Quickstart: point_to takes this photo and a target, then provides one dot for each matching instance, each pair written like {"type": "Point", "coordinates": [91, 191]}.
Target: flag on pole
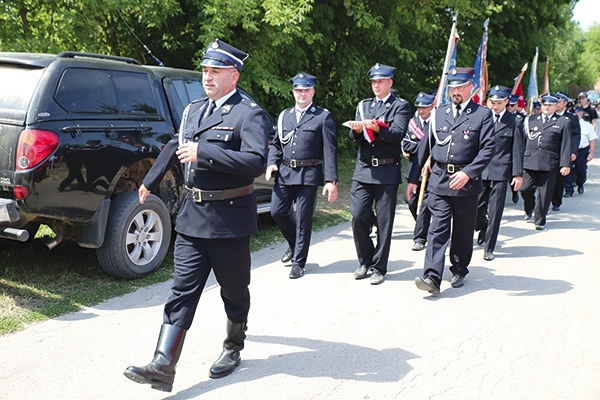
{"type": "Point", "coordinates": [518, 88]}
{"type": "Point", "coordinates": [546, 79]}
{"type": "Point", "coordinates": [532, 89]}
{"type": "Point", "coordinates": [441, 97]}
{"type": "Point", "coordinates": [480, 79]}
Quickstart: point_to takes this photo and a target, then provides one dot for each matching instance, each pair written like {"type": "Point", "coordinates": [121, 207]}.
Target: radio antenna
{"type": "Point", "coordinates": [160, 63]}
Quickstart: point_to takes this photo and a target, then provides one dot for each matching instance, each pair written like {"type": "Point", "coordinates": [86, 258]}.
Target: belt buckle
{"type": "Point", "coordinates": [197, 195]}
{"type": "Point", "coordinates": [374, 161]}
{"type": "Point", "coordinates": [293, 163]}
{"type": "Point", "coordinates": [450, 168]}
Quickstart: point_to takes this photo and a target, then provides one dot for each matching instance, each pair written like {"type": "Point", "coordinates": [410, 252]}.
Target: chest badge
{"type": "Point", "coordinates": [466, 134]}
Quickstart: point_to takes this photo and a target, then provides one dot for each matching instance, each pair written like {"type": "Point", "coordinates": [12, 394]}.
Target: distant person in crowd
{"type": "Point", "coordinates": [305, 138]}
{"type": "Point", "coordinates": [589, 112]}
{"type": "Point", "coordinates": [585, 153]}
{"type": "Point", "coordinates": [547, 150]}
{"type": "Point", "coordinates": [507, 164]}
{"type": "Point", "coordinates": [513, 104]}
{"type": "Point", "coordinates": [559, 186]}
{"type": "Point", "coordinates": [417, 129]}
{"type": "Point", "coordinates": [537, 107]}
{"type": "Point", "coordinates": [222, 145]}
{"type": "Point", "coordinates": [459, 146]}
{"type": "Point", "coordinates": [378, 128]}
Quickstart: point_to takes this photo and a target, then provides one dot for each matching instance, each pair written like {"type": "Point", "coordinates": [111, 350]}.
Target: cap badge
{"type": "Point", "coordinates": [215, 45]}
{"type": "Point", "coordinates": [454, 71]}
{"type": "Point", "coordinates": [301, 75]}
{"type": "Point", "coordinates": [377, 66]}
{"type": "Point", "coordinates": [497, 87]}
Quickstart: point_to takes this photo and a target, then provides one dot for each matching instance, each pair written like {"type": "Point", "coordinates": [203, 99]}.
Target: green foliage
{"type": "Point", "coordinates": [336, 40]}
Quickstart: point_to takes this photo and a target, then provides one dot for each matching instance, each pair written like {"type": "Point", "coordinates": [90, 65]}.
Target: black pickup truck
{"type": "Point", "coordinates": [78, 132]}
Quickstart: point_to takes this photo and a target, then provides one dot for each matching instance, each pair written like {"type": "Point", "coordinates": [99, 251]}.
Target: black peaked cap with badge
{"type": "Point", "coordinates": [223, 55]}
{"type": "Point", "coordinates": [499, 93]}
{"type": "Point", "coordinates": [424, 100]}
{"type": "Point", "coordinates": [302, 80]}
{"type": "Point", "coordinates": [460, 76]}
{"type": "Point", "coordinates": [381, 71]}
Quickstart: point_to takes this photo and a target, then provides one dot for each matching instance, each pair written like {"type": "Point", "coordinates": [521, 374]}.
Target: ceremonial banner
{"type": "Point", "coordinates": [480, 79]}
{"type": "Point", "coordinates": [546, 78]}
{"type": "Point", "coordinates": [532, 89]}
{"type": "Point", "coordinates": [441, 97]}
{"type": "Point", "coordinates": [518, 89]}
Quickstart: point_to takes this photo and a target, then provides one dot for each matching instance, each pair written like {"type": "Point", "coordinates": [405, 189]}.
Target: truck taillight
{"type": "Point", "coordinates": [21, 192]}
{"type": "Point", "coordinates": [34, 147]}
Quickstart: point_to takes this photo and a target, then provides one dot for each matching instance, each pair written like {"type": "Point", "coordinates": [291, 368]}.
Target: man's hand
{"type": "Point", "coordinates": [426, 170]}
{"type": "Point", "coordinates": [411, 190]}
{"type": "Point", "coordinates": [516, 182]}
{"type": "Point", "coordinates": [356, 126]}
{"type": "Point", "coordinates": [331, 190]}
{"type": "Point", "coordinates": [143, 193]}
{"type": "Point", "coordinates": [564, 171]}
{"type": "Point", "coordinates": [187, 152]}
{"type": "Point", "coordinates": [458, 180]}
{"type": "Point", "coordinates": [269, 172]}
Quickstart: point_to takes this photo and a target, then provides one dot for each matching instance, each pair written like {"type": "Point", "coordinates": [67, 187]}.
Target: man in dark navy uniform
{"type": "Point", "coordinates": [417, 129]}
{"type": "Point", "coordinates": [222, 144]}
{"type": "Point", "coordinates": [506, 165]}
{"type": "Point", "coordinates": [378, 128]}
{"type": "Point", "coordinates": [547, 150]}
{"type": "Point", "coordinates": [559, 186]}
{"type": "Point", "coordinates": [459, 146]}
{"type": "Point", "coordinates": [305, 136]}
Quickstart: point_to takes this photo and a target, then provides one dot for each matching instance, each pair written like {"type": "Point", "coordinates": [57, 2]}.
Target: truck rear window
{"type": "Point", "coordinates": [17, 85]}
{"type": "Point", "coordinates": [83, 90]}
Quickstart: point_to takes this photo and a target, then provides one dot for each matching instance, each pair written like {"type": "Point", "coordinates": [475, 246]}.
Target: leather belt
{"type": "Point", "coordinates": [293, 163]}
{"type": "Point", "coordinates": [450, 168]}
{"type": "Point", "coordinates": [376, 162]}
{"type": "Point", "coordinates": [199, 195]}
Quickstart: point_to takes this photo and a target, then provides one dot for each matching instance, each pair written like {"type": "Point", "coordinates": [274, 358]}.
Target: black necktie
{"type": "Point", "coordinates": [457, 112]}
{"type": "Point", "coordinates": [208, 112]}
{"type": "Point", "coordinates": [497, 119]}
{"type": "Point", "coordinates": [544, 120]}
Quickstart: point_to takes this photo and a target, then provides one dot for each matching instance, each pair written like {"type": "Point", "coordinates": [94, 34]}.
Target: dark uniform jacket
{"type": "Point", "coordinates": [468, 144]}
{"type": "Point", "coordinates": [395, 112]}
{"type": "Point", "coordinates": [508, 159]}
{"type": "Point", "coordinates": [575, 129]}
{"type": "Point", "coordinates": [548, 147]}
{"type": "Point", "coordinates": [313, 138]}
{"type": "Point", "coordinates": [232, 151]}
{"type": "Point", "coordinates": [411, 142]}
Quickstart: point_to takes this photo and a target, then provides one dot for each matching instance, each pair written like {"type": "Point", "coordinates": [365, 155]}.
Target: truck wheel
{"type": "Point", "coordinates": [137, 236]}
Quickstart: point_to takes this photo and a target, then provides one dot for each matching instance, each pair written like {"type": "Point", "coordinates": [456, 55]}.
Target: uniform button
{"type": "Point", "coordinates": [218, 136]}
{"type": "Point", "coordinates": [451, 144]}
{"type": "Point", "coordinates": [230, 201]}
{"type": "Point", "coordinates": [210, 161]}
{"type": "Point", "coordinates": [293, 152]}
{"type": "Point", "coordinates": [293, 144]}
{"type": "Point", "coordinates": [451, 155]}
{"type": "Point", "coordinates": [295, 135]}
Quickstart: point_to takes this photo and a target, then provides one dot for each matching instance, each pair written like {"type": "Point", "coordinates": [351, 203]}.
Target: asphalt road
{"type": "Point", "coordinates": [525, 326]}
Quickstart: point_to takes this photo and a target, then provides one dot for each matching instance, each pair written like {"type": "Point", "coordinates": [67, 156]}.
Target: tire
{"type": "Point", "coordinates": [127, 254]}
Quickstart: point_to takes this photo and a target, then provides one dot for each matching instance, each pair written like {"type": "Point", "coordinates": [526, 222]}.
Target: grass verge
{"type": "Point", "coordinates": [37, 284]}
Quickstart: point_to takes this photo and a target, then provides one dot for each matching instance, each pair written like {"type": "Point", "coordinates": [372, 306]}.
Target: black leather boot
{"type": "Point", "coordinates": [230, 357]}
{"type": "Point", "coordinates": [160, 373]}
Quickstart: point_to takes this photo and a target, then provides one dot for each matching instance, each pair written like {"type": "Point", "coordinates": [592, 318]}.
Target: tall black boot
{"type": "Point", "coordinates": [230, 357]}
{"type": "Point", "coordinates": [160, 373]}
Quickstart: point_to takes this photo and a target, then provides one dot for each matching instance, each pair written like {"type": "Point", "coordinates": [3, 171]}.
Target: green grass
{"type": "Point", "coordinates": [37, 284]}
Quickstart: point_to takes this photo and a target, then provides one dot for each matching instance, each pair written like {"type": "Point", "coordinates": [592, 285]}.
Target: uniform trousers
{"type": "Point", "coordinates": [371, 255]}
{"type": "Point", "coordinates": [422, 218]}
{"type": "Point", "coordinates": [229, 259]}
{"type": "Point", "coordinates": [559, 187]}
{"type": "Point", "coordinates": [543, 182]}
{"type": "Point", "coordinates": [489, 211]}
{"type": "Point", "coordinates": [297, 232]}
{"type": "Point", "coordinates": [452, 218]}
{"type": "Point", "coordinates": [578, 173]}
